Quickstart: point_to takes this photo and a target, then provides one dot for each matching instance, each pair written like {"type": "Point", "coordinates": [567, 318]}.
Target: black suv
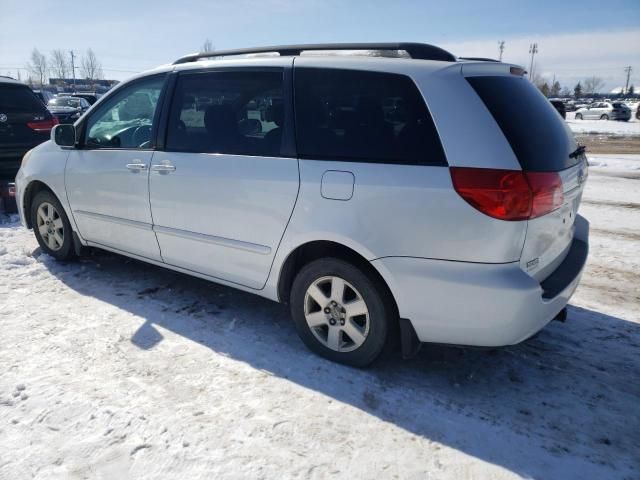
{"type": "Point", "coordinates": [24, 123]}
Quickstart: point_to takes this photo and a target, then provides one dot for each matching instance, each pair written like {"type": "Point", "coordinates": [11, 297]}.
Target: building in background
{"type": "Point", "coordinates": [60, 85]}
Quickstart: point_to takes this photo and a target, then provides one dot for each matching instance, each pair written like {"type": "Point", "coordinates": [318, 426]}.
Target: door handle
{"type": "Point", "coordinates": [164, 167]}
{"type": "Point", "coordinates": [136, 167]}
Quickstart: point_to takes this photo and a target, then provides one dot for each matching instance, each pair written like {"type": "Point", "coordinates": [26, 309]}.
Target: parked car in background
{"type": "Point", "coordinates": [44, 95]}
{"type": "Point", "coordinates": [90, 97]}
{"type": "Point", "coordinates": [67, 109]}
{"type": "Point", "coordinates": [570, 106]}
{"type": "Point", "coordinates": [604, 111]}
{"type": "Point", "coordinates": [559, 106]}
{"type": "Point", "coordinates": [371, 225]}
{"type": "Point", "coordinates": [24, 123]}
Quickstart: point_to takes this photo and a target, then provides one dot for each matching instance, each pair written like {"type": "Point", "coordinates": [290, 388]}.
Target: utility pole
{"type": "Point", "coordinates": [73, 69]}
{"type": "Point", "coordinates": [533, 49]}
{"type": "Point", "coordinates": [628, 70]}
{"type": "Point", "coordinates": [501, 48]}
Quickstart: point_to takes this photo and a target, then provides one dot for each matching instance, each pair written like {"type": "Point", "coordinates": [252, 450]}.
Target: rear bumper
{"type": "Point", "coordinates": [7, 197]}
{"type": "Point", "coordinates": [477, 304]}
{"type": "Point", "coordinates": [621, 116]}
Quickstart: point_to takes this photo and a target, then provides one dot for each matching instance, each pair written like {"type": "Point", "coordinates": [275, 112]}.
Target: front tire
{"type": "Point", "coordinates": [578, 116]}
{"type": "Point", "coordinates": [51, 226]}
{"type": "Point", "coordinates": [604, 117]}
{"type": "Point", "coordinates": [340, 312]}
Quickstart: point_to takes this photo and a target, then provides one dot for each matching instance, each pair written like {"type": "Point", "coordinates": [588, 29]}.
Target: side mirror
{"type": "Point", "coordinates": [64, 135]}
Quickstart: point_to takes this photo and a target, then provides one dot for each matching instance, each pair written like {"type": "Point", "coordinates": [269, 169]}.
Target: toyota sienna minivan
{"type": "Point", "coordinates": [397, 196]}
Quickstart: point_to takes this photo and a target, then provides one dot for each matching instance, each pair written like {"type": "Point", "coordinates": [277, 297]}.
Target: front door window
{"type": "Point", "coordinates": [126, 119]}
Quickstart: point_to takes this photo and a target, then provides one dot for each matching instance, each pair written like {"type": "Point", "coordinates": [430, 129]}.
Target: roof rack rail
{"type": "Point", "coordinates": [481, 59]}
{"type": "Point", "coordinates": [420, 51]}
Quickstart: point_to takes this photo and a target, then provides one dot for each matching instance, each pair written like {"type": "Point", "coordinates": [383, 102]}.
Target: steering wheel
{"type": "Point", "coordinates": [142, 135]}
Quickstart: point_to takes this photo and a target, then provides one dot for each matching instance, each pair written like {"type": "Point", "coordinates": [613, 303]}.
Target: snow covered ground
{"type": "Point", "coordinates": [112, 369]}
{"type": "Point", "coordinates": [603, 127]}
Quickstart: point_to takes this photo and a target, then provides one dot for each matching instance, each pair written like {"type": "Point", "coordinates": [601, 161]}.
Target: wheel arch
{"type": "Point", "coordinates": [30, 192]}
{"type": "Point", "coordinates": [313, 250]}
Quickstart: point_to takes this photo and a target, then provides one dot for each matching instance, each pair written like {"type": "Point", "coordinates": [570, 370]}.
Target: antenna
{"type": "Point", "coordinates": [501, 48]}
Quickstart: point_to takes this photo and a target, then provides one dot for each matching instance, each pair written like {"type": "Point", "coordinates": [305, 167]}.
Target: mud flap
{"type": "Point", "coordinates": [77, 245]}
{"type": "Point", "coordinates": [561, 316]}
{"type": "Point", "coordinates": [409, 343]}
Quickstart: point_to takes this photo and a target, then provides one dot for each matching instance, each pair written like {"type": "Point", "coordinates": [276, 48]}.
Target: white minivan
{"type": "Point", "coordinates": [401, 195]}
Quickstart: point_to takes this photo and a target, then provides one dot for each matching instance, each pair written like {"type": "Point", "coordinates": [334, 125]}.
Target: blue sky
{"type": "Point", "coordinates": [576, 39]}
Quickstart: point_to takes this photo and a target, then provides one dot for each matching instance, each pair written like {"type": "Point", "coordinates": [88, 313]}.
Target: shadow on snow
{"type": "Point", "coordinates": [564, 391]}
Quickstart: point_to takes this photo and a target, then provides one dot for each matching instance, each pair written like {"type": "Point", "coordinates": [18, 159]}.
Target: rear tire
{"type": "Point", "coordinates": [340, 312]}
{"type": "Point", "coordinates": [51, 226]}
{"type": "Point", "coordinates": [578, 116]}
{"type": "Point", "coordinates": [604, 117]}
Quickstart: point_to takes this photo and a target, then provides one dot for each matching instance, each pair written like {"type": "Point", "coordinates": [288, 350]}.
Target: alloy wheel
{"type": "Point", "coordinates": [50, 226]}
{"type": "Point", "coordinates": [336, 314]}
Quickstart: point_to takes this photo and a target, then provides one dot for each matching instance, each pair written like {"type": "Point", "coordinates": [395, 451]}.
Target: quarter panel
{"type": "Point", "coordinates": [399, 210]}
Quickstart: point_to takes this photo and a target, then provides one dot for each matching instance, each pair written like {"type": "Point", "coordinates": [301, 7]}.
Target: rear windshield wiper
{"type": "Point", "coordinates": [578, 151]}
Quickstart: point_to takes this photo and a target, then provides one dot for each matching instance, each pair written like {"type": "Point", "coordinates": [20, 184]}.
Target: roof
{"type": "Point", "coordinates": [4, 79]}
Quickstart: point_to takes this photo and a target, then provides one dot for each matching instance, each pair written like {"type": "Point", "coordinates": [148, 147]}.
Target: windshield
{"type": "Point", "coordinates": [65, 102]}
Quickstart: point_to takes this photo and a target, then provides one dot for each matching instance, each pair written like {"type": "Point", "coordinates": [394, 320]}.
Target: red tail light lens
{"type": "Point", "coordinates": [508, 194]}
{"type": "Point", "coordinates": [547, 192]}
{"type": "Point", "coordinates": [43, 125]}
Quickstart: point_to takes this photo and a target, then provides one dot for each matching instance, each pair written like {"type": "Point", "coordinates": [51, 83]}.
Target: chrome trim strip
{"type": "Point", "coordinates": [224, 242]}
{"type": "Point", "coordinates": [119, 221]}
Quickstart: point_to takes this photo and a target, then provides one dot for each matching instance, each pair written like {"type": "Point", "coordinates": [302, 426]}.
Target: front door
{"type": "Point", "coordinates": [222, 191]}
{"type": "Point", "coordinates": [107, 176]}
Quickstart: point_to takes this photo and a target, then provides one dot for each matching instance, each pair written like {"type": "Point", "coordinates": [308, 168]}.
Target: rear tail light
{"type": "Point", "coordinates": [43, 125]}
{"type": "Point", "coordinates": [546, 188]}
{"type": "Point", "coordinates": [508, 194]}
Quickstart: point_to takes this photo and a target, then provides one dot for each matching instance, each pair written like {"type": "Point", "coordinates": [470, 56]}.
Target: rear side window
{"type": "Point", "coordinates": [363, 116]}
{"type": "Point", "coordinates": [18, 98]}
{"type": "Point", "coordinates": [234, 112]}
{"type": "Point", "coordinates": [537, 134]}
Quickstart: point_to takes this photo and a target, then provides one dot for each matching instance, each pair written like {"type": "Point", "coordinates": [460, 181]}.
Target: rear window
{"type": "Point", "coordinates": [537, 134]}
{"type": "Point", "coordinates": [363, 116]}
{"type": "Point", "coordinates": [19, 98]}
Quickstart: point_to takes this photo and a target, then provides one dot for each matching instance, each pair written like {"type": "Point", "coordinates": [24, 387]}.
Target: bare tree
{"type": "Point", "coordinates": [59, 63]}
{"type": "Point", "coordinates": [207, 46]}
{"type": "Point", "coordinates": [38, 66]}
{"type": "Point", "coordinates": [91, 67]}
{"type": "Point", "coordinates": [592, 85]}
